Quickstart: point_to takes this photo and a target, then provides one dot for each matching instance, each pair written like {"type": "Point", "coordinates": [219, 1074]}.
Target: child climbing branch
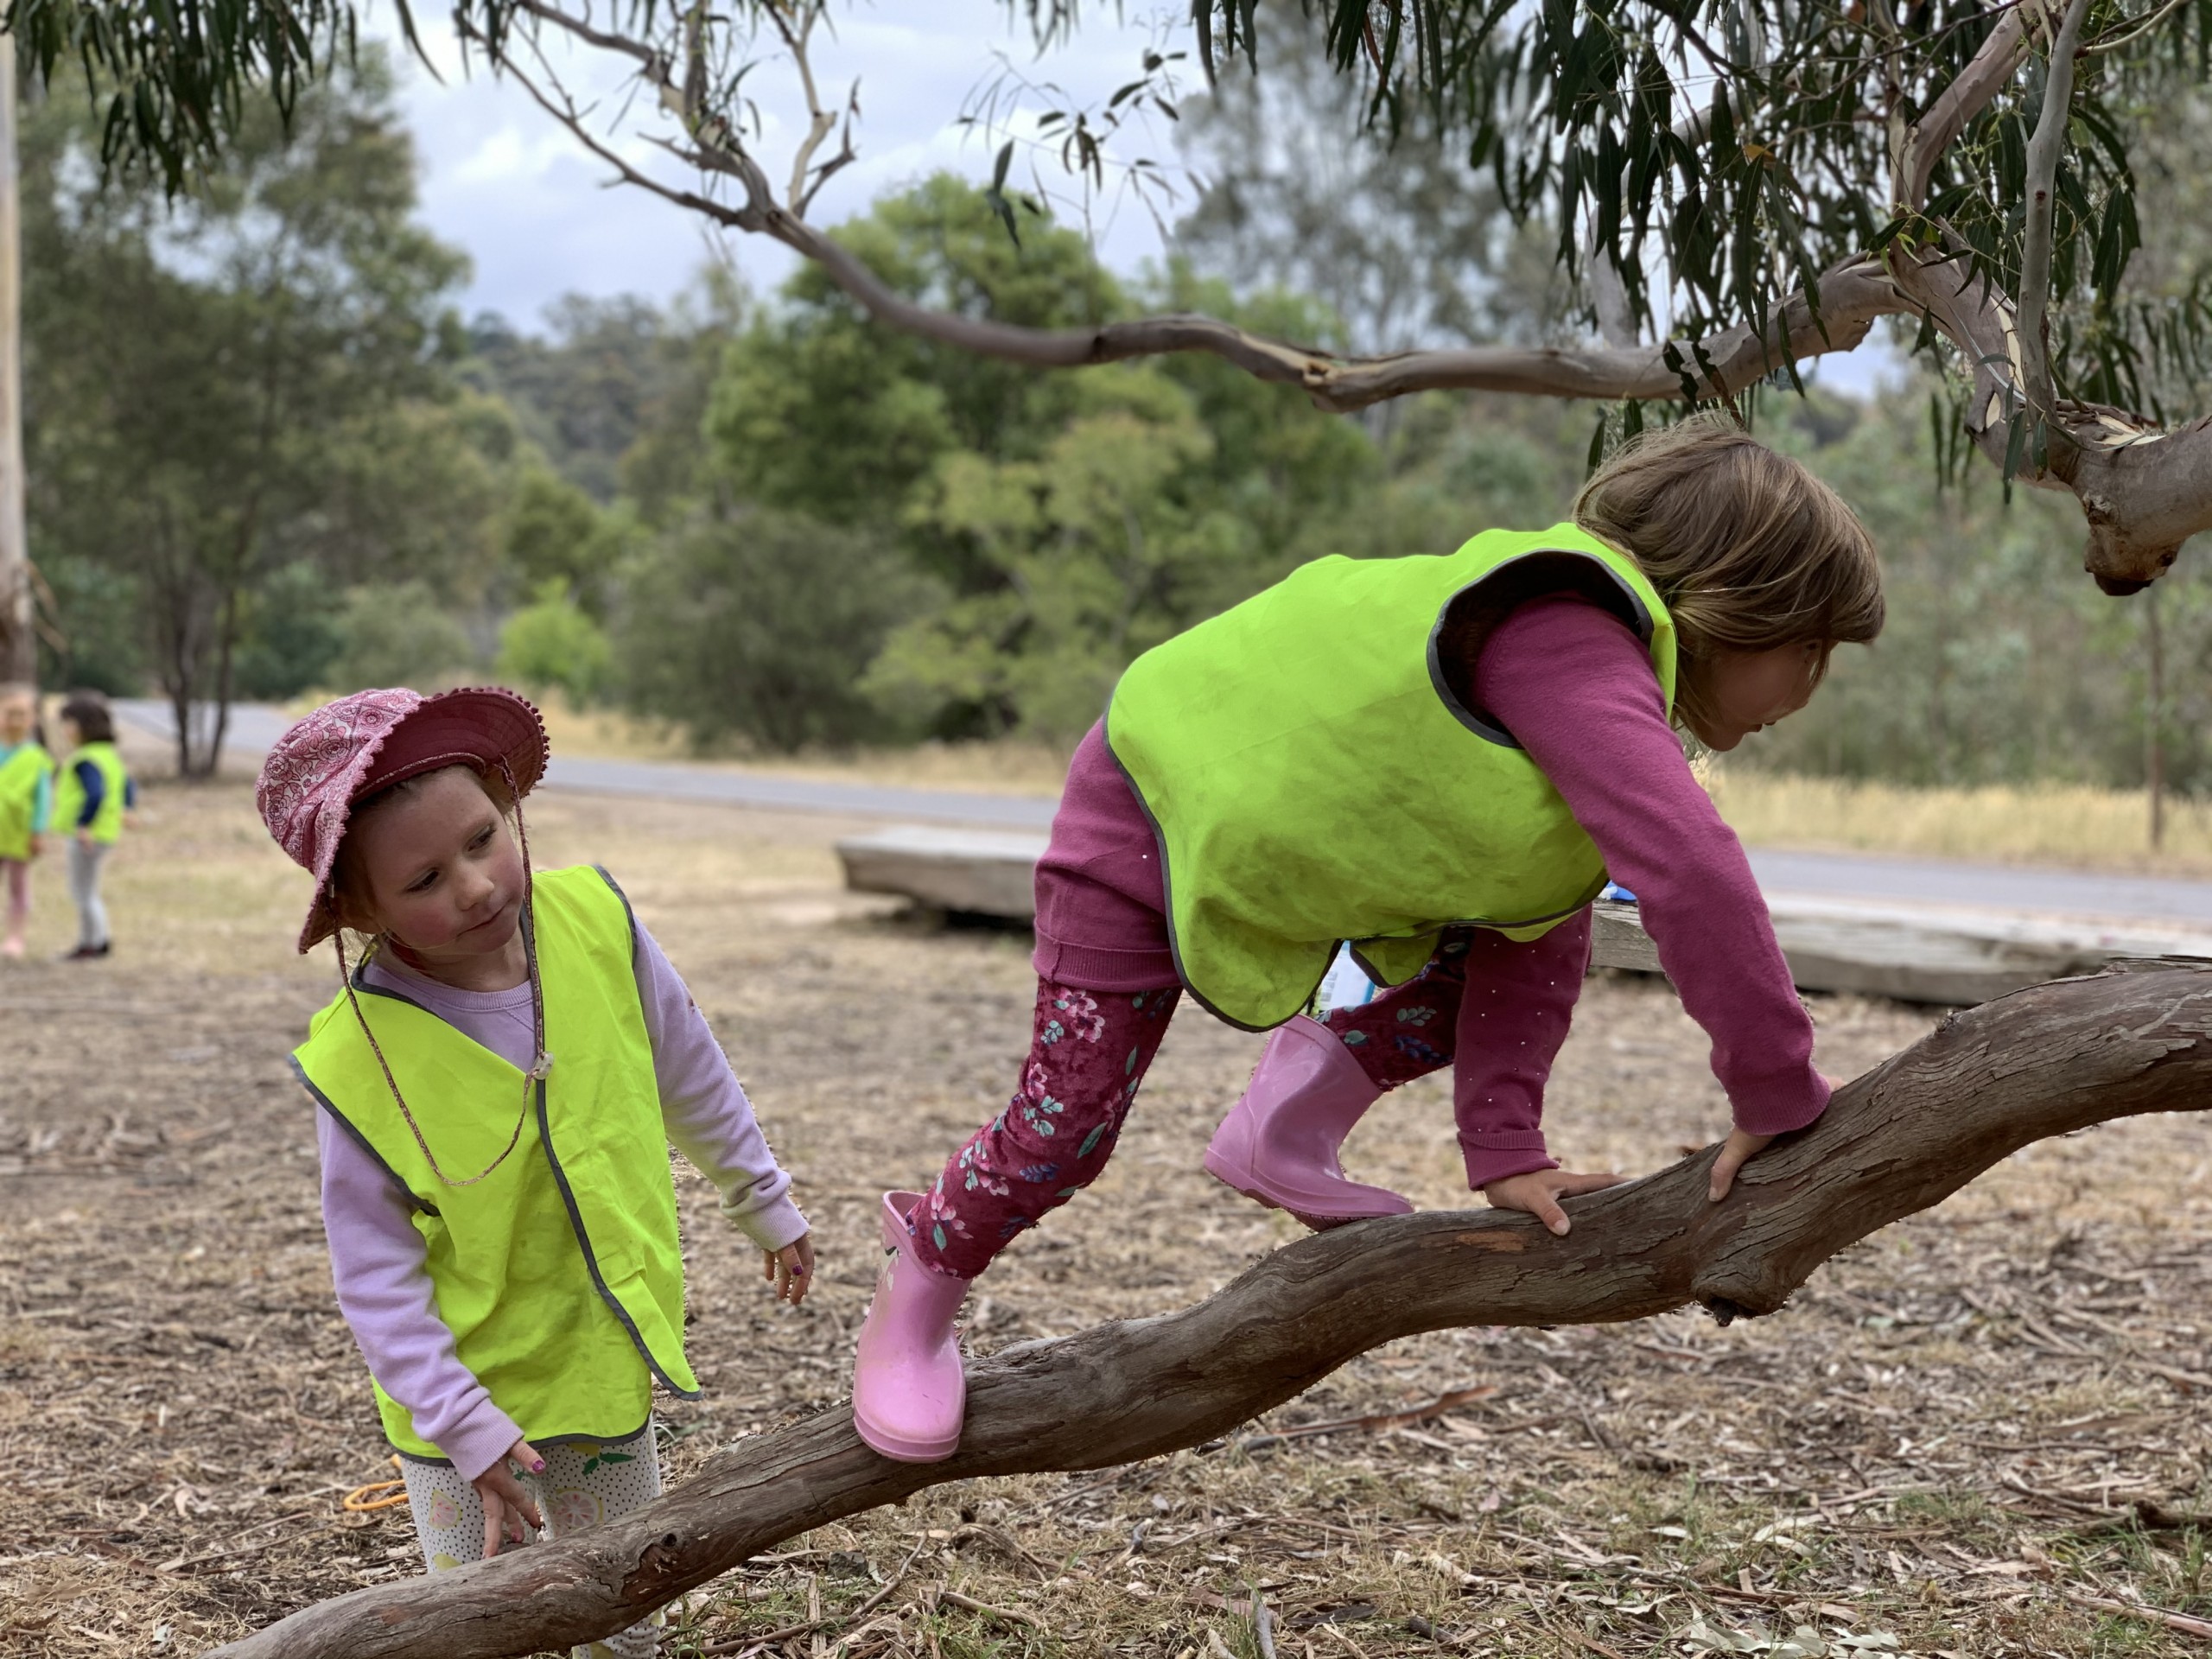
{"type": "Point", "coordinates": [1438, 758]}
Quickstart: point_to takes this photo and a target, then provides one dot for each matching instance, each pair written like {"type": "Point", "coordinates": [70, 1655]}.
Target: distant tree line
{"type": "Point", "coordinates": [268, 458]}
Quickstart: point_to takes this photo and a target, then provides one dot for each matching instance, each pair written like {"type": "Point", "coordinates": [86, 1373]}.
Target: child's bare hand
{"type": "Point", "coordinates": [1740, 1149]}
{"type": "Point", "coordinates": [1539, 1192]}
{"type": "Point", "coordinates": [1736, 1151]}
{"type": "Point", "coordinates": [506, 1505]}
{"type": "Point", "coordinates": [790, 1269]}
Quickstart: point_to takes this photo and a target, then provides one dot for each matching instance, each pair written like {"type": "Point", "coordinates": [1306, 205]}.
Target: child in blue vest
{"type": "Point", "coordinates": [1438, 760]}
{"type": "Point", "coordinates": [498, 1083]}
{"type": "Point", "coordinates": [26, 806]}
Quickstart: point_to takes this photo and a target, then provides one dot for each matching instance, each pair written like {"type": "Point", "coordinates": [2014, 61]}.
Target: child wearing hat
{"type": "Point", "coordinates": [499, 1082]}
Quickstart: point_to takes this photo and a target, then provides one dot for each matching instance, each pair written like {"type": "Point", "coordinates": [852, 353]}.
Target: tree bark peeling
{"type": "Point", "coordinates": [2043, 1062]}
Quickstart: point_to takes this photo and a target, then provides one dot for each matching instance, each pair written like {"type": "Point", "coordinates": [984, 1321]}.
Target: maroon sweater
{"type": "Point", "coordinates": [1575, 687]}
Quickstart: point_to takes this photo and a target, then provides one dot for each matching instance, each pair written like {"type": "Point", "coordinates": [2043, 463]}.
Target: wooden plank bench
{"type": "Point", "coordinates": [1924, 955]}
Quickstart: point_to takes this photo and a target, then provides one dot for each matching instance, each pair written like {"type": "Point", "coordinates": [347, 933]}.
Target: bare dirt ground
{"type": "Point", "coordinates": [1982, 1432]}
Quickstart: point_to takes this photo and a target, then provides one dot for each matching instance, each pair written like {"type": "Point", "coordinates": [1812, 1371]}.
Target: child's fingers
{"type": "Point", "coordinates": [1739, 1150]}
{"type": "Point", "coordinates": [1570, 1183]}
{"type": "Point", "coordinates": [1546, 1209]}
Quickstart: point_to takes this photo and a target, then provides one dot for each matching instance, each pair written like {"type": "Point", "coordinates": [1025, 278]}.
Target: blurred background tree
{"type": "Point", "coordinates": [777, 526]}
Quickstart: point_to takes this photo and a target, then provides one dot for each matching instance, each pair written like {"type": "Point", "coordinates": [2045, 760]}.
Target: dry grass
{"type": "Point", "coordinates": [1943, 1440]}
{"type": "Point", "coordinates": [2050, 823]}
{"type": "Point", "coordinates": [2060, 824]}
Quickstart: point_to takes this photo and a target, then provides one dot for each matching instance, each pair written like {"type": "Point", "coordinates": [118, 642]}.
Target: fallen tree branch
{"type": "Point", "coordinates": [2042, 1062]}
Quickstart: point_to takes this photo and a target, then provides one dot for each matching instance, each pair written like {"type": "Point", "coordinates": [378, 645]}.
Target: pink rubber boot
{"type": "Point", "coordinates": [1280, 1143]}
{"type": "Point", "coordinates": [908, 1388]}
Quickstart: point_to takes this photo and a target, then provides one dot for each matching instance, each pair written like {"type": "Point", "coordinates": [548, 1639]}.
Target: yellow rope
{"type": "Point", "coordinates": [378, 1494]}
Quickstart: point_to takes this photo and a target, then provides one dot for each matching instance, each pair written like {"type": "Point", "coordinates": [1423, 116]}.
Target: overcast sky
{"type": "Point", "coordinates": [502, 179]}
{"type": "Point", "coordinates": [538, 218]}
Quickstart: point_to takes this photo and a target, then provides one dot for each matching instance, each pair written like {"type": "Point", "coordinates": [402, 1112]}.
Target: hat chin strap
{"type": "Point", "coordinates": [541, 1062]}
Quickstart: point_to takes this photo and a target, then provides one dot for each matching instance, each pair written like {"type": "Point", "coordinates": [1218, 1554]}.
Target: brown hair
{"type": "Point", "coordinates": [88, 712]}
{"type": "Point", "coordinates": [349, 887]}
{"type": "Point", "coordinates": [1747, 549]}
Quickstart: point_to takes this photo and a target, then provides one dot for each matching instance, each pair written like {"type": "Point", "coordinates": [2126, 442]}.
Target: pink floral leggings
{"type": "Point", "coordinates": [1088, 1052]}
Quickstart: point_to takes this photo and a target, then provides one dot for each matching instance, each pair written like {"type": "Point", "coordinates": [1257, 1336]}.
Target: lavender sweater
{"type": "Point", "coordinates": [377, 1257]}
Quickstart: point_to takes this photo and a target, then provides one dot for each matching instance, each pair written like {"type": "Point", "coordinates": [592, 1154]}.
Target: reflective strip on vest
{"type": "Point", "coordinates": [19, 779]}
{"type": "Point", "coordinates": [69, 794]}
{"type": "Point", "coordinates": [1312, 778]}
{"type": "Point", "coordinates": [560, 1275]}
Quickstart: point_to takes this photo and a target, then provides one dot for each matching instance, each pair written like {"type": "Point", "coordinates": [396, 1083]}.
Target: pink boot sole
{"type": "Point", "coordinates": [909, 1391]}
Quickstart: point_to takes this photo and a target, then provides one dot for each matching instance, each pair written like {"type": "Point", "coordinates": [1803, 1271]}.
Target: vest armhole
{"type": "Point", "coordinates": [1467, 620]}
{"type": "Point", "coordinates": [628, 914]}
{"type": "Point", "coordinates": [414, 1201]}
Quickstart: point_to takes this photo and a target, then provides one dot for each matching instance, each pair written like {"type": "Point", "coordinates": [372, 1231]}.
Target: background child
{"type": "Point", "coordinates": [93, 794]}
{"type": "Point", "coordinates": [25, 806]}
{"type": "Point", "coordinates": [1440, 760]}
{"type": "Point", "coordinates": [499, 1083]}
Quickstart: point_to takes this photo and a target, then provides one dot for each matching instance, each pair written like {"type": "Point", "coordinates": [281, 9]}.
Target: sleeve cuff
{"type": "Point", "coordinates": [772, 1225]}
{"type": "Point", "coordinates": [481, 1440]}
{"type": "Point", "coordinates": [1785, 1105]}
{"type": "Point", "coordinates": [1493, 1157]}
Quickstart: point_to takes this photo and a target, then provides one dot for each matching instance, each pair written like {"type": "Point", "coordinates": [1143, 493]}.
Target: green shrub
{"type": "Point", "coordinates": [552, 646]}
{"type": "Point", "coordinates": [759, 624]}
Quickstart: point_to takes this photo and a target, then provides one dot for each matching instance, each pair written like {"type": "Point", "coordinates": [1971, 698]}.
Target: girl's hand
{"type": "Point", "coordinates": [1739, 1150]}
{"type": "Point", "coordinates": [790, 1269]}
{"type": "Point", "coordinates": [506, 1506]}
{"type": "Point", "coordinates": [1539, 1192]}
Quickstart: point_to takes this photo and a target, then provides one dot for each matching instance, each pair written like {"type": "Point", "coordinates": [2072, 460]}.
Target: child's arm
{"type": "Point", "coordinates": [1576, 688]}
{"type": "Point", "coordinates": [383, 1278]}
{"type": "Point", "coordinates": [94, 786]}
{"type": "Point", "coordinates": [1516, 1005]}
{"type": "Point", "coordinates": [710, 1121]}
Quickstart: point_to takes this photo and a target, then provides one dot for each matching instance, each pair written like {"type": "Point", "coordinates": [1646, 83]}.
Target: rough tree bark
{"type": "Point", "coordinates": [2050, 1059]}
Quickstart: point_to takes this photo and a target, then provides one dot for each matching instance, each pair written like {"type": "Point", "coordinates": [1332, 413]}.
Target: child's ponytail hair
{"type": "Point", "coordinates": [1748, 550]}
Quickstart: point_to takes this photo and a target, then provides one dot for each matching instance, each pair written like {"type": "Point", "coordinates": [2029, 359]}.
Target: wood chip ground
{"type": "Point", "coordinates": [1983, 1433]}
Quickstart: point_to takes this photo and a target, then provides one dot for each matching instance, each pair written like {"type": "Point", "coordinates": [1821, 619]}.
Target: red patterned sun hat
{"type": "Point", "coordinates": [371, 741]}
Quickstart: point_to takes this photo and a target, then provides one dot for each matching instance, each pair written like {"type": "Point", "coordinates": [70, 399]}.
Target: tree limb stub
{"type": "Point", "coordinates": [2042, 1062]}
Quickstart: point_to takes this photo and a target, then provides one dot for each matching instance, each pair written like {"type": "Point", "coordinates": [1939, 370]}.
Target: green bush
{"type": "Point", "coordinates": [400, 635]}
{"type": "Point", "coordinates": [759, 624]}
{"type": "Point", "coordinates": [552, 646]}
{"type": "Point", "coordinates": [292, 637]}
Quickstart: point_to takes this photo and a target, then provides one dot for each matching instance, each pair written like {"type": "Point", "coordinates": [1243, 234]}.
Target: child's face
{"type": "Point", "coordinates": [72, 738]}
{"type": "Point", "coordinates": [443, 873]}
{"type": "Point", "coordinates": [1749, 690]}
{"type": "Point", "coordinates": [17, 716]}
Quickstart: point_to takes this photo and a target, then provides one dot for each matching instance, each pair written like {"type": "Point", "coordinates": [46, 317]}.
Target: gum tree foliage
{"type": "Point", "coordinates": [256, 362]}
{"type": "Point", "coordinates": [1735, 185]}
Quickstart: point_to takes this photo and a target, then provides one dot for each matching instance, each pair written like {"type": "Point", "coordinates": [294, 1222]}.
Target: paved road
{"type": "Point", "coordinates": [1829, 875]}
